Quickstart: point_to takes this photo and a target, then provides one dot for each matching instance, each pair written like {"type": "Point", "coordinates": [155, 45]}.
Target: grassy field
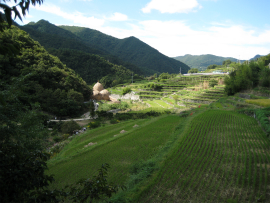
{"type": "Point", "coordinates": [159, 104]}
{"type": "Point", "coordinates": [204, 152]}
{"type": "Point", "coordinates": [223, 157]}
{"type": "Point", "coordinates": [121, 151]}
{"type": "Point", "coordinates": [259, 102]}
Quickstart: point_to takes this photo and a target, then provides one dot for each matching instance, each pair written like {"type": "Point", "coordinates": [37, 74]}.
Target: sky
{"type": "Point", "coordinates": [228, 28]}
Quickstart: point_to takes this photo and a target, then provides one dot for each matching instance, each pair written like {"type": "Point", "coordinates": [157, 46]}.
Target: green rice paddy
{"type": "Point", "coordinates": [259, 102]}
{"type": "Point", "coordinates": [121, 151]}
{"type": "Point", "coordinates": [223, 157]}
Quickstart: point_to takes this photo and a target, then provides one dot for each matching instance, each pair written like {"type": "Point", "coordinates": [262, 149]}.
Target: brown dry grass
{"type": "Point", "coordinates": [205, 84]}
{"type": "Point", "coordinates": [221, 81]}
{"type": "Point", "coordinates": [83, 123]}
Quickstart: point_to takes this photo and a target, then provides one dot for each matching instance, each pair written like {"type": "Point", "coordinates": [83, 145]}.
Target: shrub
{"type": "Point", "coordinates": [103, 115]}
{"type": "Point", "coordinates": [126, 90]}
{"type": "Point", "coordinates": [114, 121]}
{"type": "Point", "coordinates": [69, 126]}
{"type": "Point", "coordinates": [213, 83]}
{"type": "Point", "coordinates": [94, 124]}
{"type": "Point", "coordinates": [57, 138]}
{"type": "Point", "coordinates": [175, 97]}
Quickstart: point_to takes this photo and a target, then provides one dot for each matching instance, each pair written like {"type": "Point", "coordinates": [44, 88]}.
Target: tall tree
{"type": "Point", "coordinates": [23, 5]}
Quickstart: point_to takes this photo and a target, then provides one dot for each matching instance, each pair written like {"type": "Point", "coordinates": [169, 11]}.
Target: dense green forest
{"type": "Point", "coordinates": [131, 50]}
{"type": "Point", "coordinates": [249, 75]}
{"type": "Point", "coordinates": [201, 62]}
{"type": "Point", "coordinates": [46, 80]}
{"type": "Point", "coordinates": [93, 67]}
{"type": "Point", "coordinates": [54, 38]}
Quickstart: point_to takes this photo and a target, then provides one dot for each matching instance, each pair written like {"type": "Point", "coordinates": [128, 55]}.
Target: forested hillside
{"type": "Point", "coordinates": [255, 74]}
{"type": "Point", "coordinates": [131, 50]}
{"type": "Point", "coordinates": [107, 73]}
{"type": "Point", "coordinates": [203, 61]}
{"type": "Point", "coordinates": [58, 41]}
{"type": "Point", "coordinates": [46, 80]}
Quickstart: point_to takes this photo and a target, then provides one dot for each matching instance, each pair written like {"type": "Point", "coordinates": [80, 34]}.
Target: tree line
{"type": "Point", "coordinates": [249, 75]}
{"type": "Point", "coordinates": [58, 89]}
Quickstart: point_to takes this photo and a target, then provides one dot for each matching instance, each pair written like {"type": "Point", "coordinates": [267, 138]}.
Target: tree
{"type": "Point", "coordinates": [23, 133]}
{"type": "Point", "coordinates": [213, 83]}
{"type": "Point", "coordinates": [95, 188]}
{"type": "Point", "coordinates": [227, 62]}
{"type": "Point", "coordinates": [23, 6]}
{"type": "Point", "coordinates": [164, 76]}
{"type": "Point", "coordinates": [175, 97]}
{"type": "Point", "coordinates": [23, 140]}
{"type": "Point", "coordinates": [126, 90]}
{"type": "Point", "coordinates": [92, 108]}
{"type": "Point", "coordinates": [58, 89]}
{"type": "Point", "coordinates": [22, 162]}
{"type": "Point", "coordinates": [212, 66]}
{"type": "Point", "coordinates": [193, 70]}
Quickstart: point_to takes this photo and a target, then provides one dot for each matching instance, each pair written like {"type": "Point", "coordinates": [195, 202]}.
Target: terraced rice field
{"type": "Point", "coordinates": [259, 102]}
{"type": "Point", "coordinates": [223, 157]}
{"type": "Point", "coordinates": [121, 151]}
{"type": "Point", "coordinates": [158, 104]}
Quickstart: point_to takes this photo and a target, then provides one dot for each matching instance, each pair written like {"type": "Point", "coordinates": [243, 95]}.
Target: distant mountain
{"type": "Point", "coordinates": [51, 36]}
{"type": "Point", "coordinates": [255, 57]}
{"type": "Point", "coordinates": [202, 61]}
{"type": "Point", "coordinates": [43, 77]}
{"type": "Point", "coordinates": [91, 63]}
{"type": "Point", "coordinates": [129, 49]}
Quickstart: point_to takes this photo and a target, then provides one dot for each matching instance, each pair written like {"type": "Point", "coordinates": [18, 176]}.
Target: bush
{"type": "Point", "coordinates": [57, 138]}
{"type": "Point", "coordinates": [56, 126]}
{"type": "Point", "coordinates": [213, 83]}
{"type": "Point", "coordinates": [69, 126]}
{"type": "Point", "coordinates": [114, 121]}
{"type": "Point", "coordinates": [103, 115]}
{"type": "Point", "coordinates": [94, 124]}
{"type": "Point", "coordinates": [126, 90]}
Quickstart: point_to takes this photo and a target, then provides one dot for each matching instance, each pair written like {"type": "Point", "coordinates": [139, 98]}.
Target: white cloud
{"type": "Point", "coordinates": [171, 6]}
{"type": "Point", "coordinates": [175, 38]}
{"type": "Point", "coordinates": [76, 16]}
{"type": "Point", "coordinates": [118, 17]}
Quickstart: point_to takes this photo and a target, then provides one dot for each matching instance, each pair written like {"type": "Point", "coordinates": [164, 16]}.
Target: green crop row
{"type": "Point", "coordinates": [162, 103]}
{"type": "Point", "coordinates": [154, 104]}
{"type": "Point", "coordinates": [260, 102]}
{"type": "Point", "coordinates": [149, 96]}
{"type": "Point", "coordinates": [222, 157]}
{"type": "Point", "coordinates": [151, 93]}
{"type": "Point", "coordinates": [120, 151]}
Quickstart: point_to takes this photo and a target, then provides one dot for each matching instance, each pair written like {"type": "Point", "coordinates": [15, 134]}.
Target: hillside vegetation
{"type": "Point", "coordinates": [131, 50]}
{"type": "Point", "coordinates": [221, 157]}
{"type": "Point", "coordinates": [207, 154]}
{"type": "Point", "coordinates": [196, 138]}
{"type": "Point", "coordinates": [45, 79]}
{"type": "Point", "coordinates": [246, 76]}
{"type": "Point", "coordinates": [201, 62]}
{"type": "Point", "coordinates": [73, 51]}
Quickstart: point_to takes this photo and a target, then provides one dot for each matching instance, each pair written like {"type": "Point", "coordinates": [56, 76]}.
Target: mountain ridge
{"type": "Point", "coordinates": [130, 49]}
{"type": "Point", "coordinates": [203, 61]}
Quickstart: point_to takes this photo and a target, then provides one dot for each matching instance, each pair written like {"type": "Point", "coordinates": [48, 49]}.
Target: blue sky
{"type": "Point", "coordinates": [229, 28]}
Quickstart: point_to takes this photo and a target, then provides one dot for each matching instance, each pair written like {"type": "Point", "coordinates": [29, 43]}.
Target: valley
{"type": "Point", "coordinates": [166, 136]}
{"type": "Point", "coordinates": [202, 147]}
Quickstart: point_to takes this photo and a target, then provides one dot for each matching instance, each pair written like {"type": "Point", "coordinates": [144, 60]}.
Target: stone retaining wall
{"type": "Point", "coordinates": [129, 96]}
